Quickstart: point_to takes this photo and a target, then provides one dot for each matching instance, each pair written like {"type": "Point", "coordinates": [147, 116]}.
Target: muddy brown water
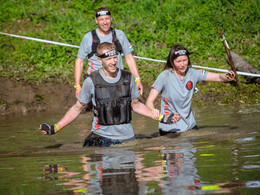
{"type": "Point", "coordinates": [222, 157]}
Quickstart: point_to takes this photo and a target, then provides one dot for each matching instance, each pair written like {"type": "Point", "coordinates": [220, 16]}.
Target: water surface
{"type": "Point", "coordinates": [222, 157]}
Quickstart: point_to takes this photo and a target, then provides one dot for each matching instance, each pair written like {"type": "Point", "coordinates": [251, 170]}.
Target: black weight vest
{"type": "Point", "coordinates": [96, 42]}
{"type": "Point", "coordinates": [113, 100]}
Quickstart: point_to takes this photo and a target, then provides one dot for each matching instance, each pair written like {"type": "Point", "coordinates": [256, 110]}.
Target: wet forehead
{"type": "Point", "coordinates": [105, 17]}
{"type": "Point", "coordinates": [184, 57]}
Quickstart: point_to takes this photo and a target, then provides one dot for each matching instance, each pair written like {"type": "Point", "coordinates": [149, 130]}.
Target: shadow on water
{"type": "Point", "coordinates": [221, 157]}
{"type": "Point", "coordinates": [55, 146]}
{"type": "Point", "coordinates": [219, 126]}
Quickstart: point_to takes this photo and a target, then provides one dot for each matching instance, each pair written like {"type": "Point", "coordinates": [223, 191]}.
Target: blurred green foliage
{"type": "Point", "coordinates": [152, 27]}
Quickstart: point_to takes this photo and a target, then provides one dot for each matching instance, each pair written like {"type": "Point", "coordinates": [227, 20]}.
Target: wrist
{"type": "Point", "coordinates": [75, 86]}
{"type": "Point", "coordinates": [137, 79]}
{"type": "Point", "coordinates": [160, 118]}
{"type": "Point", "coordinates": [57, 129]}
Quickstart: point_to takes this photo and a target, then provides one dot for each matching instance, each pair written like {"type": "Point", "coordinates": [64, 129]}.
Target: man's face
{"type": "Point", "coordinates": [104, 22]}
{"type": "Point", "coordinates": [109, 63]}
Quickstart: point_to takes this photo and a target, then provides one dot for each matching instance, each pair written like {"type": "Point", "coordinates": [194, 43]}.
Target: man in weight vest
{"type": "Point", "coordinates": [88, 47]}
{"type": "Point", "coordinates": [114, 94]}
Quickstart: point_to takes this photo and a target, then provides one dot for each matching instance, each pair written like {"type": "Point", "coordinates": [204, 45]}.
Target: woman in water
{"type": "Point", "coordinates": [176, 85]}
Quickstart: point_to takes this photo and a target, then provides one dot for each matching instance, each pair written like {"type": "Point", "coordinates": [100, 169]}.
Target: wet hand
{"type": "Point", "coordinates": [176, 117]}
{"type": "Point", "coordinates": [139, 87]}
{"type": "Point", "coordinates": [156, 114]}
{"type": "Point", "coordinates": [47, 129]}
{"type": "Point", "coordinates": [230, 76]}
{"type": "Point", "coordinates": [170, 118]}
{"type": "Point", "coordinates": [77, 91]}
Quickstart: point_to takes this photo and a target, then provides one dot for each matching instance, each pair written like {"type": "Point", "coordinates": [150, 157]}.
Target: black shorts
{"type": "Point", "coordinates": [174, 130]}
{"type": "Point", "coordinates": [94, 140]}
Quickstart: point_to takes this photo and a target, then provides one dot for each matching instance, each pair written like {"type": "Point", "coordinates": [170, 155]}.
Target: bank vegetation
{"type": "Point", "coordinates": [152, 26]}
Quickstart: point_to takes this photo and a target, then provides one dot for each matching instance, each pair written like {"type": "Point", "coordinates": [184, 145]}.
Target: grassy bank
{"type": "Point", "coordinates": [152, 26]}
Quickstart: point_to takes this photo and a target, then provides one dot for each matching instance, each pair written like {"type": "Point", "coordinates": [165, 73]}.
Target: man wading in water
{"type": "Point", "coordinates": [114, 95]}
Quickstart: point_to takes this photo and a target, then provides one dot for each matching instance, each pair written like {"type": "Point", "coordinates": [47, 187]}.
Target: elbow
{"type": "Point", "coordinates": [134, 104]}
{"type": "Point", "coordinates": [80, 106]}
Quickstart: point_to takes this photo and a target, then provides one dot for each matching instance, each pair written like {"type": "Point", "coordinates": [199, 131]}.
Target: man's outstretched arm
{"type": "Point", "coordinates": [69, 117]}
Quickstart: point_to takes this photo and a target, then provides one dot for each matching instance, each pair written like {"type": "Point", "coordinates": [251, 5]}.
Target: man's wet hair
{"type": "Point", "coordinates": [105, 46]}
{"type": "Point", "coordinates": [102, 11]}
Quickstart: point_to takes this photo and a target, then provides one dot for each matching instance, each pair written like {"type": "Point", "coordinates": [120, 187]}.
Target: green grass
{"type": "Point", "coordinates": [152, 27]}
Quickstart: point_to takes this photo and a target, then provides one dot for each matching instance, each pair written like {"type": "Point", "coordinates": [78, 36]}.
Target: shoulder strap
{"type": "Point", "coordinates": [126, 76]}
{"type": "Point", "coordinates": [94, 76]}
{"type": "Point", "coordinates": [115, 41]}
{"type": "Point", "coordinates": [95, 43]}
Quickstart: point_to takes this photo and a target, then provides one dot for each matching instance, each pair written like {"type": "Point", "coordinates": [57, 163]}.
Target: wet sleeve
{"type": "Point", "coordinates": [159, 83]}
{"type": "Point", "coordinates": [85, 46]}
{"type": "Point", "coordinates": [126, 46]}
{"type": "Point", "coordinates": [87, 91]}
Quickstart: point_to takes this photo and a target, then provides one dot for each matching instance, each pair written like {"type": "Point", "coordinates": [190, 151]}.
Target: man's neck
{"type": "Point", "coordinates": [103, 33]}
{"type": "Point", "coordinates": [109, 75]}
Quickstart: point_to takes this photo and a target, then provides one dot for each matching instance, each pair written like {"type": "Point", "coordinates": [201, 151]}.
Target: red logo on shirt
{"type": "Point", "coordinates": [166, 106]}
{"type": "Point", "coordinates": [189, 85]}
{"type": "Point", "coordinates": [96, 126]}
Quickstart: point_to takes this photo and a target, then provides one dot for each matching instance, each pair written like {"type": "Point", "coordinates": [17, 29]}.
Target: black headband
{"type": "Point", "coordinates": [108, 54]}
{"type": "Point", "coordinates": [181, 53]}
{"type": "Point", "coordinates": [103, 13]}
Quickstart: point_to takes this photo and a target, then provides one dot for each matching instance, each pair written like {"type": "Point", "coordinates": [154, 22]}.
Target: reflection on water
{"type": "Point", "coordinates": [222, 157]}
{"type": "Point", "coordinates": [166, 169]}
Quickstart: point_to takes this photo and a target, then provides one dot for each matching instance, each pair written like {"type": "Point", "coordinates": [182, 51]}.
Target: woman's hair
{"type": "Point", "coordinates": [105, 46]}
{"type": "Point", "coordinates": [172, 55]}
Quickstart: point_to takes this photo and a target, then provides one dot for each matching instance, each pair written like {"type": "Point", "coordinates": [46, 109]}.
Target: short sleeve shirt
{"type": "Point", "coordinates": [87, 94]}
{"type": "Point", "coordinates": [177, 96]}
{"type": "Point", "coordinates": [86, 48]}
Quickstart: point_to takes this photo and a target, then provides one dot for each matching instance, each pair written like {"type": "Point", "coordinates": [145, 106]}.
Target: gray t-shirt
{"type": "Point", "coordinates": [86, 48]}
{"type": "Point", "coordinates": [177, 96]}
{"type": "Point", "coordinates": [87, 94]}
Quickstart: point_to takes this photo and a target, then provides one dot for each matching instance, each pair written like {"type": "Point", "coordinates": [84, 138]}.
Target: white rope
{"type": "Point", "coordinates": [40, 40]}
{"type": "Point", "coordinates": [206, 68]}
{"type": "Point", "coordinates": [138, 57]}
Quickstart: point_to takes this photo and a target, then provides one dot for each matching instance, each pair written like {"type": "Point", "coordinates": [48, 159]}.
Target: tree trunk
{"type": "Point", "coordinates": [243, 66]}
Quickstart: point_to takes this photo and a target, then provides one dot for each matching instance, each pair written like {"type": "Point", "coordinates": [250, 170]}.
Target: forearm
{"type": "Point", "coordinates": [220, 77]}
{"type": "Point", "coordinates": [149, 104]}
{"type": "Point", "coordinates": [131, 63]}
{"type": "Point", "coordinates": [141, 109]}
{"type": "Point", "coordinates": [71, 115]}
{"type": "Point", "coordinates": [223, 77]}
{"type": "Point", "coordinates": [78, 70]}
{"type": "Point", "coordinates": [151, 98]}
